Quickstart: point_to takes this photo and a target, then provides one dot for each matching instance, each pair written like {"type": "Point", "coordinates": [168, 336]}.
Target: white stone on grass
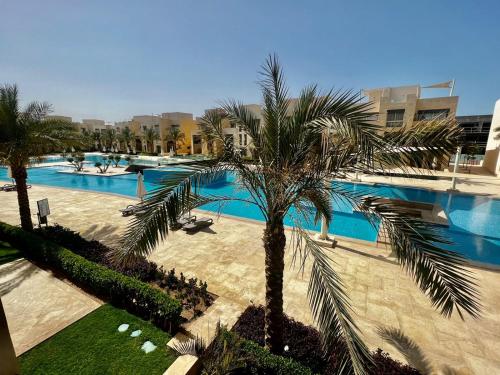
{"type": "Point", "coordinates": [148, 346]}
{"type": "Point", "coordinates": [136, 333]}
{"type": "Point", "coordinates": [123, 327]}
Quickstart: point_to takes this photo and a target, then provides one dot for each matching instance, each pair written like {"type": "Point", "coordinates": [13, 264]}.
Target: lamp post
{"type": "Point", "coordinates": [455, 169]}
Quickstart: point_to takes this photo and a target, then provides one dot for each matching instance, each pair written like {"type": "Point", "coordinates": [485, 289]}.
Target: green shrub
{"type": "Point", "coordinates": [228, 351]}
{"type": "Point", "coordinates": [123, 291]}
{"type": "Point", "coordinates": [261, 361]}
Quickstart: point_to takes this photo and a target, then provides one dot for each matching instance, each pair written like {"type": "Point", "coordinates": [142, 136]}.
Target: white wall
{"type": "Point", "coordinates": [492, 156]}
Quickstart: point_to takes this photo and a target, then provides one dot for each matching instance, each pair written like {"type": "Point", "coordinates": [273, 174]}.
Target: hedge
{"type": "Point", "coordinates": [261, 361]}
{"type": "Point", "coordinates": [122, 291]}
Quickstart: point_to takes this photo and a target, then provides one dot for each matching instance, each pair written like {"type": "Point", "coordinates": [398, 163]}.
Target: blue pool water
{"type": "Point", "coordinates": [474, 221]}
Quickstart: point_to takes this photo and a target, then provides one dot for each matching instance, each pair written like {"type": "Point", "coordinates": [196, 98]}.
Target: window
{"type": "Point", "coordinates": [245, 140]}
{"type": "Point", "coordinates": [232, 125]}
{"type": "Point", "coordinates": [431, 114]}
{"type": "Point", "coordinates": [175, 126]}
{"type": "Point", "coordinates": [395, 118]}
{"type": "Point", "coordinates": [241, 139]}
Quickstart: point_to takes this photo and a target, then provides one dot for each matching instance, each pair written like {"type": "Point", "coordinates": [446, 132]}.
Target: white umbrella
{"type": "Point", "coordinates": [73, 149]}
{"type": "Point", "coordinates": [104, 149]}
{"type": "Point", "coordinates": [141, 189]}
{"type": "Point", "coordinates": [128, 150]}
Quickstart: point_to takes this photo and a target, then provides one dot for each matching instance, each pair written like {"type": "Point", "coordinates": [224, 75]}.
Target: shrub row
{"type": "Point", "coordinates": [305, 346]}
{"type": "Point", "coordinates": [123, 291]}
{"type": "Point", "coordinates": [192, 293]}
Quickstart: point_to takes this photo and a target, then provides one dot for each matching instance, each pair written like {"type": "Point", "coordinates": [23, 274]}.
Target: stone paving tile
{"type": "Point", "coordinates": [38, 305]}
{"type": "Point", "coordinates": [230, 258]}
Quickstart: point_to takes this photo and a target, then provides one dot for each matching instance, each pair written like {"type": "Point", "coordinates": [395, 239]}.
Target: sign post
{"type": "Point", "coordinates": [43, 211]}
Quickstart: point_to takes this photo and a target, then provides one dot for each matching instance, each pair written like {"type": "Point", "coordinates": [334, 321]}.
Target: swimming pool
{"type": "Point", "coordinates": [474, 221]}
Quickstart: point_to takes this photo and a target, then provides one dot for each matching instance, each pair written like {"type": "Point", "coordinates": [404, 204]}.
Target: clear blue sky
{"type": "Point", "coordinates": [113, 59]}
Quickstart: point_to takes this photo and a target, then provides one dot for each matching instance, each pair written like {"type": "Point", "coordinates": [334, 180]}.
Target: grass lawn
{"type": "Point", "coordinates": [94, 346]}
{"type": "Point", "coordinates": [8, 253]}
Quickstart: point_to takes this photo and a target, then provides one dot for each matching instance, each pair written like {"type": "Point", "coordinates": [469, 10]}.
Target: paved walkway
{"type": "Point", "coordinates": [230, 258]}
{"type": "Point", "coordinates": [37, 304]}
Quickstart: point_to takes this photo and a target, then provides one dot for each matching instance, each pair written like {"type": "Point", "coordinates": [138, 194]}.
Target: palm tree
{"type": "Point", "coordinates": [174, 136]}
{"type": "Point", "coordinates": [150, 136]}
{"type": "Point", "coordinates": [97, 137]}
{"type": "Point", "coordinates": [207, 136]}
{"type": "Point", "coordinates": [109, 137]}
{"type": "Point", "coordinates": [87, 139]}
{"type": "Point", "coordinates": [301, 151]}
{"type": "Point", "coordinates": [126, 137]}
{"type": "Point", "coordinates": [26, 135]}
{"type": "Point", "coordinates": [497, 130]}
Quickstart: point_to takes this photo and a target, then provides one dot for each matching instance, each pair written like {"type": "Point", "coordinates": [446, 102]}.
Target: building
{"type": "Point", "coordinates": [398, 107]}
{"type": "Point", "coordinates": [492, 155]}
{"type": "Point", "coordinates": [476, 130]}
{"type": "Point", "coordinates": [242, 141]}
{"type": "Point", "coordinates": [163, 125]}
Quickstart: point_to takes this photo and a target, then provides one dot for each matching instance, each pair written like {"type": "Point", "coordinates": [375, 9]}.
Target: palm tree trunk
{"type": "Point", "coordinates": [274, 245]}
{"type": "Point", "coordinates": [20, 175]}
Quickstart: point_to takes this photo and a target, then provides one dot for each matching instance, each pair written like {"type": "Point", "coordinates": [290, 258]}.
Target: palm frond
{"type": "Point", "coordinates": [176, 194]}
{"type": "Point", "coordinates": [440, 273]}
{"type": "Point", "coordinates": [331, 309]}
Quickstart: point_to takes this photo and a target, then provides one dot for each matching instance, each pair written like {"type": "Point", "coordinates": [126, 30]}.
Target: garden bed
{"type": "Point", "coordinates": [93, 345]}
{"type": "Point", "coordinates": [305, 347]}
{"type": "Point", "coordinates": [190, 292]}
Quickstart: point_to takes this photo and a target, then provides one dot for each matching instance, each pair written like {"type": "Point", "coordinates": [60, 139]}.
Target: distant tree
{"type": "Point", "coordinates": [87, 139]}
{"type": "Point", "coordinates": [116, 160]}
{"type": "Point", "coordinates": [77, 161]}
{"type": "Point", "coordinates": [176, 137]}
{"type": "Point", "coordinates": [104, 165]}
{"type": "Point", "coordinates": [97, 138]}
{"type": "Point", "coordinates": [25, 136]}
{"type": "Point", "coordinates": [150, 136]}
{"type": "Point", "coordinates": [109, 138]}
{"type": "Point", "coordinates": [127, 136]}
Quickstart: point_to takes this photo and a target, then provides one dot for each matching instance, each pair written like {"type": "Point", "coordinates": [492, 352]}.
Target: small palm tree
{"type": "Point", "coordinates": [126, 137]}
{"type": "Point", "coordinates": [301, 151]}
{"type": "Point", "coordinates": [174, 136]}
{"type": "Point", "coordinates": [497, 130]}
{"type": "Point", "coordinates": [25, 136]}
{"type": "Point", "coordinates": [150, 136]}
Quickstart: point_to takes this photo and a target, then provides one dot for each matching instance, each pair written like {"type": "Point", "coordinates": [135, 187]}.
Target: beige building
{"type": "Point", "coordinates": [398, 107]}
{"type": "Point", "coordinates": [492, 155]}
{"type": "Point", "coordinates": [163, 125]}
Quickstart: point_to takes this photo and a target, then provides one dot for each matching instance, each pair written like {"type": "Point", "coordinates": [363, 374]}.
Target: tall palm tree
{"type": "Point", "coordinates": [175, 136]}
{"type": "Point", "coordinates": [109, 137]}
{"type": "Point", "coordinates": [26, 135]}
{"type": "Point", "coordinates": [207, 136]}
{"type": "Point", "coordinates": [126, 137]}
{"type": "Point", "coordinates": [301, 152]}
{"type": "Point", "coordinates": [150, 136]}
{"type": "Point", "coordinates": [97, 137]}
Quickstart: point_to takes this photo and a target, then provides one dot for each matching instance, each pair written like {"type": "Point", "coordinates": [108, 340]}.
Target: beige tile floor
{"type": "Point", "coordinates": [230, 257]}
{"type": "Point", "coordinates": [38, 305]}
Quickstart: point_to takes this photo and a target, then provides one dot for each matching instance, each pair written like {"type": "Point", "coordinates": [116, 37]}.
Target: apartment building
{"type": "Point", "coordinates": [242, 141]}
{"type": "Point", "coordinates": [476, 129]}
{"type": "Point", "coordinates": [398, 107]}
{"type": "Point", "coordinates": [162, 125]}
